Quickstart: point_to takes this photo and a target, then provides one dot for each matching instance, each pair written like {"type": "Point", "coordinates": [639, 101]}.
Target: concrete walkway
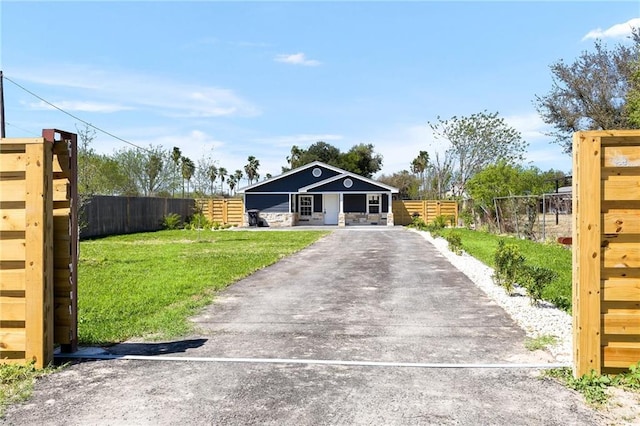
{"type": "Point", "coordinates": [377, 294]}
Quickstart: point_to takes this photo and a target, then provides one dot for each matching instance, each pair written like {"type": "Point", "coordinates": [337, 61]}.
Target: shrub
{"type": "Point", "coordinates": [467, 218]}
{"type": "Point", "coordinates": [199, 221]}
{"type": "Point", "coordinates": [417, 222]}
{"type": "Point", "coordinates": [455, 242]}
{"type": "Point", "coordinates": [508, 262]}
{"type": "Point", "coordinates": [535, 279]}
{"type": "Point", "coordinates": [440, 221]}
{"type": "Point", "coordinates": [171, 221]}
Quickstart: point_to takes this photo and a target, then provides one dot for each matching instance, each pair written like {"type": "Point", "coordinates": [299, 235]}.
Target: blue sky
{"type": "Point", "coordinates": [233, 79]}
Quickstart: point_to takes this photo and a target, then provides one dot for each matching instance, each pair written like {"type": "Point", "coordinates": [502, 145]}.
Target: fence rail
{"type": "Point", "coordinates": [225, 211]}
{"type": "Point", "coordinates": [404, 210]}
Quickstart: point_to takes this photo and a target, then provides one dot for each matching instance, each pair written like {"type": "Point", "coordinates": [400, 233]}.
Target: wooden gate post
{"type": "Point", "coordinates": [606, 250]}
{"type": "Point", "coordinates": [586, 254]}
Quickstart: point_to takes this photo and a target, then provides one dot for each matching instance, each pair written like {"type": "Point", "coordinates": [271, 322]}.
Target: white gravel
{"type": "Point", "coordinates": [536, 321]}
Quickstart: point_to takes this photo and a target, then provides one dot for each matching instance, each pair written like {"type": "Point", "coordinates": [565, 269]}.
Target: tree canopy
{"type": "Point", "coordinates": [360, 159]}
{"type": "Point", "coordinates": [591, 93]}
{"type": "Point", "coordinates": [475, 142]}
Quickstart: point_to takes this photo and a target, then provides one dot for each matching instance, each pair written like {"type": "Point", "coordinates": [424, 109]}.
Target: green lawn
{"type": "Point", "coordinates": [149, 284]}
{"type": "Point", "coordinates": [482, 246]}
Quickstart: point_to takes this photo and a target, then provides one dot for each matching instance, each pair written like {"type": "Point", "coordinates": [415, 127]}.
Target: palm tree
{"type": "Point", "coordinates": [176, 156]}
{"type": "Point", "coordinates": [222, 174]}
{"type": "Point", "coordinates": [238, 175]}
{"type": "Point", "coordinates": [418, 167]}
{"type": "Point", "coordinates": [232, 182]}
{"type": "Point", "coordinates": [212, 174]}
{"type": "Point", "coordinates": [251, 168]}
{"type": "Point", "coordinates": [188, 168]}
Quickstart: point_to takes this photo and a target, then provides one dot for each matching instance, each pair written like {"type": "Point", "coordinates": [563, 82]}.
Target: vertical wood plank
{"type": "Point", "coordinates": [38, 262]}
{"type": "Point", "coordinates": [586, 253]}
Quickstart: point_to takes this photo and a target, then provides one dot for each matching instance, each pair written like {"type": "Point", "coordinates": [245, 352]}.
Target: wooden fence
{"type": "Point", "coordinates": [225, 211]}
{"type": "Point", "coordinates": [404, 210]}
{"type": "Point", "coordinates": [606, 250]}
{"type": "Point", "coordinates": [38, 247]}
{"type": "Point", "coordinates": [104, 215]}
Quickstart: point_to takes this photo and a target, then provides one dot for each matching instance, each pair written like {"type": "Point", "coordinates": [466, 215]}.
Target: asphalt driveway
{"type": "Point", "coordinates": [357, 295]}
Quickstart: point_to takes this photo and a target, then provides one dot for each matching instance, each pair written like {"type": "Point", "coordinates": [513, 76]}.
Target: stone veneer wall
{"type": "Point", "coordinates": [274, 220]}
{"type": "Point", "coordinates": [365, 219]}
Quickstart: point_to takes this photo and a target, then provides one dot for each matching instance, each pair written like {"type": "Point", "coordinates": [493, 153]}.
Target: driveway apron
{"type": "Point", "coordinates": [358, 294]}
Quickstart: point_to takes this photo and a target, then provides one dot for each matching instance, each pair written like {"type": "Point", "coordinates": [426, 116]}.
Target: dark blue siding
{"type": "Point", "coordinates": [294, 181]}
{"type": "Point", "coordinates": [358, 186]}
{"type": "Point", "coordinates": [355, 203]}
{"type": "Point", "coordinates": [317, 203]}
{"type": "Point", "coordinates": [385, 203]}
{"type": "Point", "coordinates": [274, 203]}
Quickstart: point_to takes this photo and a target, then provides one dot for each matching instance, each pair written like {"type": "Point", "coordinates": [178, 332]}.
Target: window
{"type": "Point", "coordinates": [306, 205]}
{"type": "Point", "coordinates": [373, 203]}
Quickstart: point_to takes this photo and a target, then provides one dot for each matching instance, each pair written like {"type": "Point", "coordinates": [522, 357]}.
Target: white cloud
{"type": "Point", "coordinates": [128, 90]}
{"type": "Point", "coordinates": [302, 140]}
{"type": "Point", "coordinates": [616, 31]}
{"type": "Point", "coordinates": [84, 106]}
{"type": "Point", "coordinates": [297, 59]}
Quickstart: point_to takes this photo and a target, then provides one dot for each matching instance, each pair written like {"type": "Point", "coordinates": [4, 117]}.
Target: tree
{"type": "Point", "coordinates": [251, 169]}
{"type": "Point", "coordinates": [212, 174]}
{"type": "Point", "coordinates": [419, 167]}
{"type": "Point", "coordinates": [361, 160]}
{"type": "Point", "coordinates": [188, 168]}
{"type": "Point", "coordinates": [238, 175]}
{"type": "Point", "coordinates": [503, 180]}
{"type": "Point", "coordinates": [222, 174]}
{"type": "Point", "coordinates": [145, 170]}
{"type": "Point", "coordinates": [633, 95]}
{"type": "Point", "coordinates": [440, 175]}
{"type": "Point", "coordinates": [232, 182]}
{"type": "Point", "coordinates": [477, 141]}
{"type": "Point", "coordinates": [406, 183]}
{"type": "Point", "coordinates": [590, 93]}
{"type": "Point", "coordinates": [294, 158]}
{"type": "Point", "coordinates": [176, 156]}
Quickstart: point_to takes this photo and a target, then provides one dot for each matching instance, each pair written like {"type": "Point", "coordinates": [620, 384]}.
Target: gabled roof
{"type": "Point", "coordinates": [351, 176]}
{"type": "Point", "coordinates": [335, 174]}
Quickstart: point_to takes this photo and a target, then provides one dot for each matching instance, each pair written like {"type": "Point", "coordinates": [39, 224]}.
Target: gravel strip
{"type": "Point", "coordinates": [536, 321]}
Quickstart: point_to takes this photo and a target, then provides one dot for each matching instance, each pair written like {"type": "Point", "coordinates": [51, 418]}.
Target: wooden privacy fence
{"type": "Point", "coordinates": [226, 211]}
{"type": "Point", "coordinates": [38, 247]}
{"type": "Point", "coordinates": [403, 210]}
{"type": "Point", "coordinates": [104, 215]}
{"type": "Point", "coordinates": [606, 250]}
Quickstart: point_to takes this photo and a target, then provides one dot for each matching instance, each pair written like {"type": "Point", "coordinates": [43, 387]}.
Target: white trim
{"type": "Point", "coordinates": [290, 172]}
{"type": "Point", "coordinates": [355, 177]}
{"type": "Point", "coordinates": [369, 203]}
{"type": "Point", "coordinates": [300, 205]}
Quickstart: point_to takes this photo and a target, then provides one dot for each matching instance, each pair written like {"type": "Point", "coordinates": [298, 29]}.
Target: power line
{"type": "Point", "coordinates": [76, 117]}
{"type": "Point", "coordinates": [20, 128]}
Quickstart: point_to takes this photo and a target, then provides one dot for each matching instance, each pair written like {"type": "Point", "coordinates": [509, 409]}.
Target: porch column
{"type": "Point", "coordinates": [341, 218]}
{"type": "Point", "coordinates": [389, 209]}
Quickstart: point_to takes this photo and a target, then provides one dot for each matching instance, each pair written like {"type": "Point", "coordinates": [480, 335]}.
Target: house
{"type": "Point", "coordinates": [319, 194]}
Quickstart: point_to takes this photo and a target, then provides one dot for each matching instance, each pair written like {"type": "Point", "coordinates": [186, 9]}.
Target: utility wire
{"type": "Point", "coordinates": [20, 128]}
{"type": "Point", "coordinates": [76, 117]}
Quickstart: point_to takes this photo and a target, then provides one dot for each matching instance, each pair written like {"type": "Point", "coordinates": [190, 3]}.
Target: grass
{"type": "Point", "coordinates": [594, 386]}
{"type": "Point", "coordinates": [16, 383]}
{"type": "Point", "coordinates": [540, 342]}
{"type": "Point", "coordinates": [482, 246]}
{"type": "Point", "coordinates": [149, 284]}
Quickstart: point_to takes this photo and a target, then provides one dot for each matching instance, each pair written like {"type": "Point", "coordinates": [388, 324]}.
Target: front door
{"type": "Point", "coordinates": [331, 203]}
